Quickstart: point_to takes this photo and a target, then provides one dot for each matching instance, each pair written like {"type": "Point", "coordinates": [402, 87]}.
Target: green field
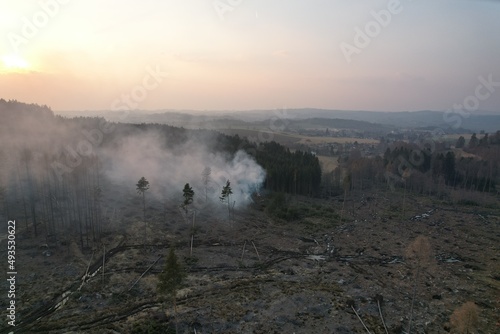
{"type": "Point", "coordinates": [285, 138]}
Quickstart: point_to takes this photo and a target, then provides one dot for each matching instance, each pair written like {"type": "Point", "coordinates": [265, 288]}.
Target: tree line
{"type": "Point", "coordinates": [296, 172]}
{"type": "Point", "coordinates": [472, 166]}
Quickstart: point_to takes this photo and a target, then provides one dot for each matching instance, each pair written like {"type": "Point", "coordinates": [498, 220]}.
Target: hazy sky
{"type": "Point", "coordinates": [242, 54]}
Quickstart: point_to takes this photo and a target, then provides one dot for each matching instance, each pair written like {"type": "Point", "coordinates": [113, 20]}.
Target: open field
{"type": "Point", "coordinates": [459, 153]}
{"type": "Point", "coordinates": [339, 140]}
{"type": "Point", "coordinates": [452, 138]}
{"type": "Point", "coordinates": [285, 138]}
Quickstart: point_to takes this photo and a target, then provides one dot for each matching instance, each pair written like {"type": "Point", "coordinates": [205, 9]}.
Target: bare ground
{"type": "Point", "coordinates": [255, 274]}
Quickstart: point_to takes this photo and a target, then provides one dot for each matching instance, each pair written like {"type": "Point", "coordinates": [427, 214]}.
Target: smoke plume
{"type": "Point", "coordinates": [168, 170]}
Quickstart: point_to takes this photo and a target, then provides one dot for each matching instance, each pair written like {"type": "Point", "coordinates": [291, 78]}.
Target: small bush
{"type": "Point", "coordinates": [152, 327]}
{"type": "Point", "coordinates": [190, 260]}
{"type": "Point", "coordinates": [467, 202]}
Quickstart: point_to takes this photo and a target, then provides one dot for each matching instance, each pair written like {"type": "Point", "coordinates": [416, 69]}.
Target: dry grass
{"type": "Point", "coordinates": [459, 153]}
{"type": "Point", "coordinates": [462, 196]}
{"type": "Point", "coordinates": [328, 164]}
{"type": "Point", "coordinates": [465, 318]}
{"type": "Point", "coordinates": [339, 140]}
{"type": "Point", "coordinates": [285, 138]}
{"type": "Point", "coordinates": [419, 249]}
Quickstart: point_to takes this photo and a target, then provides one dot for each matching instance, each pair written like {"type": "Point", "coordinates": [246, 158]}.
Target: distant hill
{"type": "Point", "coordinates": [489, 122]}
{"type": "Point", "coordinates": [425, 119]}
{"type": "Point", "coordinates": [234, 121]}
{"type": "Point", "coordinates": [338, 123]}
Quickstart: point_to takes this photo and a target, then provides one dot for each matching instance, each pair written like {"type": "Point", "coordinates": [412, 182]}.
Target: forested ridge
{"type": "Point", "coordinates": [53, 170]}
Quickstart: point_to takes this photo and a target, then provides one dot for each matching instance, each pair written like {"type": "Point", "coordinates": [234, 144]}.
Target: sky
{"type": "Point", "coordinates": [391, 55]}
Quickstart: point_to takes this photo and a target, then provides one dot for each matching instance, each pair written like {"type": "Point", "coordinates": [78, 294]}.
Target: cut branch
{"type": "Point", "coordinates": [368, 331]}
{"type": "Point", "coordinates": [379, 299]}
{"type": "Point", "coordinates": [144, 273]}
{"type": "Point", "coordinates": [256, 251]}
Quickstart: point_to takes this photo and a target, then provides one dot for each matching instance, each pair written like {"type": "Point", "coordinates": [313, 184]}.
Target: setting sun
{"type": "Point", "coordinates": [14, 62]}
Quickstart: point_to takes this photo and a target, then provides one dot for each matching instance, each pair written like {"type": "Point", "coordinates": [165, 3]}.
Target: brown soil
{"type": "Point", "coordinates": [304, 278]}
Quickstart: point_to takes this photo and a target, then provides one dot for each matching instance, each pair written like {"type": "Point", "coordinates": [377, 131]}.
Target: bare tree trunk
{"type": "Point", "coordinates": [381, 316]}
{"type": "Point", "coordinates": [144, 218]}
{"type": "Point", "coordinates": [343, 204]}
{"type": "Point", "coordinates": [32, 197]}
{"type": "Point", "coordinates": [359, 318]}
{"type": "Point", "coordinates": [414, 293]}
{"type": "Point", "coordinates": [103, 262]}
{"type": "Point", "coordinates": [191, 246]}
{"type": "Point", "coordinates": [144, 273]}
{"type": "Point", "coordinates": [404, 200]}
{"type": "Point", "coordinates": [79, 213]}
{"type": "Point", "coordinates": [175, 314]}
{"type": "Point", "coordinates": [256, 251]}
{"type": "Point", "coordinates": [23, 200]}
{"type": "Point", "coordinates": [192, 234]}
{"type": "Point", "coordinates": [51, 205]}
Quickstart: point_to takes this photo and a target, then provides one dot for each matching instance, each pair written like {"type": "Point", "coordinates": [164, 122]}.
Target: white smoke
{"type": "Point", "coordinates": [169, 170]}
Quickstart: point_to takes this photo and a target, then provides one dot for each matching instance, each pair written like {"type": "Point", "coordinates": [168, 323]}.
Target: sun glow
{"type": "Point", "coordinates": [14, 62]}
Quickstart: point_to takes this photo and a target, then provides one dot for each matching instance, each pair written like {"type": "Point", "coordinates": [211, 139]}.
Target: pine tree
{"type": "Point", "coordinates": [170, 280]}
{"type": "Point", "coordinates": [188, 195]}
{"type": "Point", "coordinates": [473, 141]}
{"type": "Point", "coordinates": [225, 196]}
{"type": "Point", "coordinates": [142, 187]}
{"type": "Point", "coordinates": [460, 142]}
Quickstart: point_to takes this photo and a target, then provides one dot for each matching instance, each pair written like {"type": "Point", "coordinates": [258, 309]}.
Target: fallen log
{"type": "Point", "coordinates": [144, 273]}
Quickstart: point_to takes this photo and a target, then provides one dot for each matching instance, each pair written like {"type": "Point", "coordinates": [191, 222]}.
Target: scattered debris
{"type": "Point", "coordinates": [394, 259]}
{"type": "Point", "coordinates": [424, 215]}
{"type": "Point", "coordinates": [448, 258]}
{"type": "Point", "coordinates": [316, 257]}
